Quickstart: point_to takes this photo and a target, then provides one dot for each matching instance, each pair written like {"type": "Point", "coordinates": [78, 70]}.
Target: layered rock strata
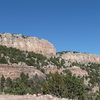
{"type": "Point", "coordinates": [14, 71]}
{"type": "Point", "coordinates": [27, 43]}
{"type": "Point", "coordinates": [81, 57]}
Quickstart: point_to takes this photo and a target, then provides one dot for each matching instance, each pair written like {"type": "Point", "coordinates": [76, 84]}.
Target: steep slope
{"type": "Point", "coordinates": [27, 43]}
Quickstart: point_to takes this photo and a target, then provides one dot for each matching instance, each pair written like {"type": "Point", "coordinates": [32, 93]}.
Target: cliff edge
{"type": "Point", "coordinates": [26, 43]}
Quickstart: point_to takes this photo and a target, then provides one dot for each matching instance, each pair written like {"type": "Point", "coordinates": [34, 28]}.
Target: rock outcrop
{"type": "Point", "coordinates": [80, 57]}
{"type": "Point", "coordinates": [27, 43]}
{"type": "Point", "coordinates": [14, 71]}
{"type": "Point", "coordinates": [77, 71]}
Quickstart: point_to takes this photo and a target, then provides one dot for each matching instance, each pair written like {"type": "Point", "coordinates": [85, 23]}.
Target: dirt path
{"type": "Point", "coordinates": [29, 97]}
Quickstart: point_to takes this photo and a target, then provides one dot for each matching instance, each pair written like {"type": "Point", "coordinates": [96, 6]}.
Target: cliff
{"type": "Point", "coordinates": [27, 43]}
{"type": "Point", "coordinates": [80, 57]}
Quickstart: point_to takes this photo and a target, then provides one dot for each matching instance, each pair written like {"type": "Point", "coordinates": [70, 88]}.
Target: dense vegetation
{"type": "Point", "coordinates": [93, 71]}
{"type": "Point", "coordinates": [60, 85]}
{"type": "Point", "coordinates": [13, 55]}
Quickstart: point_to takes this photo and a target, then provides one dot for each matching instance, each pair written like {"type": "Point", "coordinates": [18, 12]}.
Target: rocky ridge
{"type": "Point", "coordinates": [14, 71]}
{"type": "Point", "coordinates": [80, 57]}
{"type": "Point", "coordinates": [27, 43]}
{"type": "Point", "coordinates": [42, 46]}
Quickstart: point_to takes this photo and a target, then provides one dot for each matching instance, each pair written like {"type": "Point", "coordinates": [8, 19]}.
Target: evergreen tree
{"type": "Point", "coordinates": [2, 83]}
{"type": "Point", "coordinates": [9, 82]}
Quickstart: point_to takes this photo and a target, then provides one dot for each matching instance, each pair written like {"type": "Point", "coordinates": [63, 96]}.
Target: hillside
{"type": "Point", "coordinates": [71, 75]}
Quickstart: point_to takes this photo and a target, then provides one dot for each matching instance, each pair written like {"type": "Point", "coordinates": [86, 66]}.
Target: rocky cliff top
{"type": "Point", "coordinates": [27, 43]}
{"type": "Point", "coordinates": [80, 57]}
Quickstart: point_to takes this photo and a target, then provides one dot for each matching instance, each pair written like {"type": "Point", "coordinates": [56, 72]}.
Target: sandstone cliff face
{"type": "Point", "coordinates": [14, 71]}
{"type": "Point", "coordinates": [81, 57]}
{"type": "Point", "coordinates": [27, 43]}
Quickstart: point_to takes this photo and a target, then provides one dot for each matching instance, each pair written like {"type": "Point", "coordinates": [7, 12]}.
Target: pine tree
{"type": "Point", "coordinates": [2, 83]}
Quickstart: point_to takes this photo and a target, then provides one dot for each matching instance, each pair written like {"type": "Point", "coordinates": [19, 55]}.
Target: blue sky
{"type": "Point", "coordinates": [71, 25]}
